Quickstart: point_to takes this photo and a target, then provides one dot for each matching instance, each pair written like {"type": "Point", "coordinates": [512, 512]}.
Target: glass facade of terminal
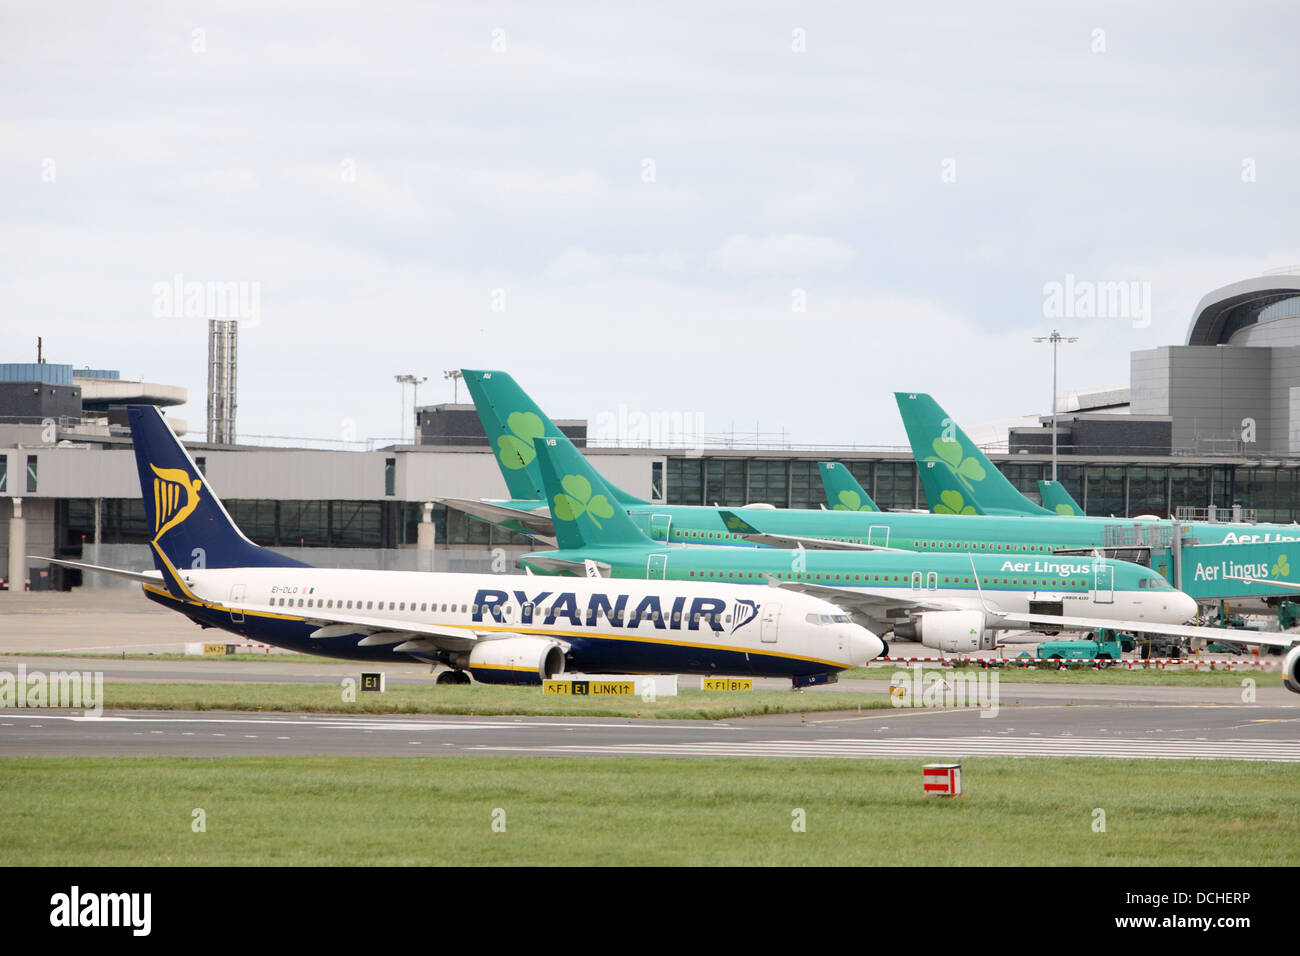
{"type": "Point", "coordinates": [1104, 490]}
{"type": "Point", "coordinates": [288, 524]}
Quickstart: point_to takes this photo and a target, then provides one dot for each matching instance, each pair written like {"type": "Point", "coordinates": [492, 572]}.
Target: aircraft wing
{"type": "Point", "coordinates": [1264, 638]}
{"type": "Point", "coordinates": [579, 569]}
{"type": "Point", "coordinates": [409, 636]}
{"type": "Point", "coordinates": [143, 577]}
{"type": "Point", "coordinates": [738, 525]}
{"type": "Point", "coordinates": [538, 522]}
{"type": "Point", "coordinates": [853, 599]}
{"type": "Point", "coordinates": [377, 631]}
{"type": "Point", "coordinates": [813, 544]}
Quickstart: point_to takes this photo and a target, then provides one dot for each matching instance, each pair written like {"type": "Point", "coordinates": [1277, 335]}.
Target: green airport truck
{"type": "Point", "coordinates": [1100, 645]}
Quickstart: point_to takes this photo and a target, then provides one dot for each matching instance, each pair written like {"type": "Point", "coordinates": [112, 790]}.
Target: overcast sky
{"type": "Point", "coordinates": [763, 214]}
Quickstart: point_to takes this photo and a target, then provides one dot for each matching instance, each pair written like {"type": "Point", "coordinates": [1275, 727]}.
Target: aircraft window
{"type": "Point", "coordinates": [309, 604]}
{"type": "Point", "coordinates": [1142, 583]}
{"type": "Point", "coordinates": [726, 619]}
{"type": "Point", "coordinates": [401, 607]}
{"type": "Point", "coordinates": [390, 605]}
{"type": "Point", "coordinates": [677, 617]}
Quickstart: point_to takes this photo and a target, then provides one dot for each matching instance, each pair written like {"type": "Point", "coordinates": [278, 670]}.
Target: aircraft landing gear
{"type": "Point", "coordinates": [452, 677]}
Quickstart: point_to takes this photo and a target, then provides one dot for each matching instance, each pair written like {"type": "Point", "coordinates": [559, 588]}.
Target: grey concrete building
{"type": "Point", "coordinates": [1233, 387]}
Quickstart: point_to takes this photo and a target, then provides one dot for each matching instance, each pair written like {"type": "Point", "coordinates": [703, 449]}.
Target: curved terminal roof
{"type": "Point", "coordinates": [1224, 312]}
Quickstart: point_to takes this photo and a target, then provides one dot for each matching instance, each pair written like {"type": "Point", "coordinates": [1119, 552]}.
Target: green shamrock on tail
{"type": "Point", "coordinates": [1283, 567]}
{"type": "Point", "coordinates": [952, 503]}
{"type": "Point", "coordinates": [577, 499]}
{"type": "Point", "coordinates": [516, 449]}
{"type": "Point", "coordinates": [850, 501]}
{"type": "Point", "coordinates": [1065, 510]}
{"type": "Point", "coordinates": [951, 456]}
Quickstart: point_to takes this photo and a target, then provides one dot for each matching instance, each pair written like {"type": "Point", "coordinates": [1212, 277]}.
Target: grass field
{"type": "Point", "coordinates": [352, 811]}
{"type": "Point", "coordinates": [1185, 677]}
{"type": "Point", "coordinates": [471, 699]}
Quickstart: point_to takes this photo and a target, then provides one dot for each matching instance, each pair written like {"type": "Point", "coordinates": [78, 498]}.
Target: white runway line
{"type": "Point", "coordinates": [373, 723]}
{"type": "Point", "coordinates": [1267, 750]}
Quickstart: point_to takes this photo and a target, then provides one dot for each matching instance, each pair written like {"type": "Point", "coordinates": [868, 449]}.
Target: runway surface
{"type": "Point", "coordinates": [1049, 719]}
{"type": "Point", "coordinates": [1243, 732]}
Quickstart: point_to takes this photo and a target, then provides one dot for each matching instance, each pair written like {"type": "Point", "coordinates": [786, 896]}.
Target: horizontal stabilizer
{"type": "Point", "coordinates": [143, 577]}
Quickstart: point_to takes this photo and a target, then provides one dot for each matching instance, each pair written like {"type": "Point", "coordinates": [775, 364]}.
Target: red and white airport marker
{"type": "Point", "coordinates": [942, 779]}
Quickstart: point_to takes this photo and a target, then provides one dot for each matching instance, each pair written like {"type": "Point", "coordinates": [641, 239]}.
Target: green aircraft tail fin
{"type": "Point", "coordinates": [512, 421]}
{"type": "Point", "coordinates": [957, 477]}
{"type": "Point", "coordinates": [583, 511]}
{"type": "Point", "coordinates": [1057, 500]}
{"type": "Point", "coordinates": [843, 493]}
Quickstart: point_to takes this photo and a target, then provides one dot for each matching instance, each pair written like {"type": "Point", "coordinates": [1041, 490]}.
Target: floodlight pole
{"type": "Point", "coordinates": [455, 375]}
{"type": "Point", "coordinates": [1056, 338]}
{"type": "Point", "coordinates": [406, 380]}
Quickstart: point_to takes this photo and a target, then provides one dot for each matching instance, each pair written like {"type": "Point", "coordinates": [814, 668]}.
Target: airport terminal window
{"type": "Point", "coordinates": [1189, 487]}
{"type": "Point", "coordinates": [657, 481]}
{"type": "Point", "coordinates": [1106, 491]}
{"type": "Point", "coordinates": [1148, 491]}
{"type": "Point", "coordinates": [304, 524]}
{"type": "Point", "coordinates": [685, 481]}
{"type": "Point", "coordinates": [896, 485]}
{"type": "Point", "coordinates": [4, 473]}
{"type": "Point", "coordinates": [768, 482]}
{"type": "Point", "coordinates": [724, 481]}
{"type": "Point", "coordinates": [805, 485]}
{"type": "Point", "coordinates": [31, 474]}
{"type": "Point", "coordinates": [390, 476]}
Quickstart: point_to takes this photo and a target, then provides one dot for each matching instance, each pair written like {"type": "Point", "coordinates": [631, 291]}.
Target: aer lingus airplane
{"type": "Point", "coordinates": [499, 628]}
{"type": "Point", "coordinates": [1057, 500]}
{"type": "Point", "coordinates": [500, 401]}
{"type": "Point", "coordinates": [843, 492]}
{"type": "Point", "coordinates": [952, 602]}
{"type": "Point", "coordinates": [954, 471]}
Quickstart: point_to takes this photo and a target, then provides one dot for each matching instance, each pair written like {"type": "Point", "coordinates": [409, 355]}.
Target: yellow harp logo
{"type": "Point", "coordinates": [168, 486]}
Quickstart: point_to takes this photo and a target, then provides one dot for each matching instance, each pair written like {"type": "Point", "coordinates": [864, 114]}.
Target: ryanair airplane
{"type": "Point", "coordinates": [497, 628]}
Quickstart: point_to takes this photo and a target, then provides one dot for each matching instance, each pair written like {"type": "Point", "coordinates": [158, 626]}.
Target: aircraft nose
{"type": "Point", "coordinates": [864, 646]}
{"type": "Point", "coordinates": [1183, 606]}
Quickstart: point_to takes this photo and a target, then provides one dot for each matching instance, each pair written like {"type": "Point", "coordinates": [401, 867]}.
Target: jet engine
{"type": "Point", "coordinates": [1291, 670]}
{"type": "Point", "coordinates": [951, 631]}
{"type": "Point", "coordinates": [514, 660]}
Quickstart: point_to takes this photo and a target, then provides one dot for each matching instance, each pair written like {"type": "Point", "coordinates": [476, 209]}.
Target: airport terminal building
{"type": "Point", "coordinates": [1214, 421]}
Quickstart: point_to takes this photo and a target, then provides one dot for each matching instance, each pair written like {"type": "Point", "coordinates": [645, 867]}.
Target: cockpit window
{"type": "Point", "coordinates": [827, 619]}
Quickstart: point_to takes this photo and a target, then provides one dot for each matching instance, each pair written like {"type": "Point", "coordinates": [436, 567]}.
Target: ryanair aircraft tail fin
{"type": "Point", "coordinates": [189, 526]}
{"type": "Point", "coordinates": [957, 477]}
{"type": "Point", "coordinates": [843, 493]}
{"type": "Point", "coordinates": [583, 511]}
{"type": "Point", "coordinates": [1057, 500]}
{"type": "Point", "coordinates": [513, 421]}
